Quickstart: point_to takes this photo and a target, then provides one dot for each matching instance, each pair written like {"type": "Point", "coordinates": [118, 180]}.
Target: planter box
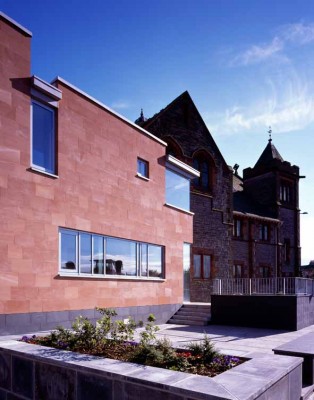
{"type": "Point", "coordinates": [35, 372]}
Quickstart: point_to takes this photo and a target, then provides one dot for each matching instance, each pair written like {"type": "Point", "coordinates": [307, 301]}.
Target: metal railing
{"type": "Point", "coordinates": [264, 286]}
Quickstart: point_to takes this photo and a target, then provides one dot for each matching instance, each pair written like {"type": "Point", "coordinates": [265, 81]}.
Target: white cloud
{"type": "Point", "coordinates": [120, 105]}
{"type": "Point", "coordinates": [286, 109]}
{"type": "Point", "coordinates": [298, 33]}
{"type": "Point", "coordinates": [259, 53]}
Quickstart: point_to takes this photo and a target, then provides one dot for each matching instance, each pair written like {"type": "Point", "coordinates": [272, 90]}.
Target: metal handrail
{"type": "Point", "coordinates": [263, 286]}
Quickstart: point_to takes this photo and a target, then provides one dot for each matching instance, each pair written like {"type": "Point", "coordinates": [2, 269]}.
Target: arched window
{"type": "Point", "coordinates": [173, 148]}
{"type": "Point", "coordinates": [204, 165]}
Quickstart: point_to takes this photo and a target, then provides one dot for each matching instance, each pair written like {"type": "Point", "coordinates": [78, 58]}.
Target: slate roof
{"type": "Point", "coordinates": [269, 154]}
{"type": "Point", "coordinates": [244, 204]}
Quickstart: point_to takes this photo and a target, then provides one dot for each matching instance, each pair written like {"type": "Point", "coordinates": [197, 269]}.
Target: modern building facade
{"type": "Point", "coordinates": [93, 213]}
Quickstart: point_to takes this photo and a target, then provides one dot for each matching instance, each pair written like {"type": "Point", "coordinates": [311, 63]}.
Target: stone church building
{"type": "Point", "coordinates": [244, 227]}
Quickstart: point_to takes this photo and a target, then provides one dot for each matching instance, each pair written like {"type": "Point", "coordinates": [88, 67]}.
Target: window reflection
{"type": "Point", "coordinates": [197, 265]}
{"type": "Point", "coordinates": [144, 259]}
{"type": "Point", "coordinates": [177, 190]}
{"type": "Point", "coordinates": [68, 251]}
{"type": "Point", "coordinates": [154, 261]}
{"type": "Point", "coordinates": [98, 255]}
{"type": "Point", "coordinates": [121, 258]}
{"type": "Point", "coordinates": [207, 263]}
{"type": "Point", "coordinates": [85, 253]}
{"type": "Point", "coordinates": [43, 139]}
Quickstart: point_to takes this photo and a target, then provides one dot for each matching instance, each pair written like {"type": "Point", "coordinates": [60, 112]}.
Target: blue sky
{"type": "Point", "coordinates": [247, 64]}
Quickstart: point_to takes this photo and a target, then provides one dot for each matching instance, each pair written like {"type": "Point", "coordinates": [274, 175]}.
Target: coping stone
{"type": "Point", "coordinates": [302, 345]}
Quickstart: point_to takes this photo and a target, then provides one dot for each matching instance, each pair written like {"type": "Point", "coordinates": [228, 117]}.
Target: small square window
{"type": "Point", "coordinates": [142, 167]}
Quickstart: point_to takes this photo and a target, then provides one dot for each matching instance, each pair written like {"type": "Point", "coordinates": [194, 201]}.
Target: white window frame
{"type": "Point", "coordinates": [53, 150]}
{"type": "Point", "coordinates": [138, 258]}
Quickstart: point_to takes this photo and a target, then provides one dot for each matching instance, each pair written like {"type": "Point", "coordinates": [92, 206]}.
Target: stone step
{"type": "Point", "coordinates": [199, 313]}
{"type": "Point", "coordinates": [307, 392]}
{"type": "Point", "coordinates": [192, 314]}
{"type": "Point", "coordinates": [186, 322]}
{"type": "Point", "coordinates": [188, 317]}
{"type": "Point", "coordinates": [206, 307]}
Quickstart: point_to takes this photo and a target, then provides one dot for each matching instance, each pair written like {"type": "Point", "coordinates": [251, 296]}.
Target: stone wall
{"type": "Point", "coordinates": [32, 372]}
{"type": "Point", "coordinates": [42, 321]}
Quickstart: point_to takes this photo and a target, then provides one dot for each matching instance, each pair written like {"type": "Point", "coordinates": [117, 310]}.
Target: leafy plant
{"type": "Point", "coordinates": [114, 339]}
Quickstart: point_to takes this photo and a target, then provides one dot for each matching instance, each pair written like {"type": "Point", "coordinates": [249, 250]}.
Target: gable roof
{"type": "Point", "coordinates": [183, 98]}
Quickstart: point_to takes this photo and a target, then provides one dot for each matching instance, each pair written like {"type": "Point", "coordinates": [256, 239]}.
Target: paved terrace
{"type": "Point", "coordinates": [236, 341]}
{"type": "Point", "coordinates": [231, 340]}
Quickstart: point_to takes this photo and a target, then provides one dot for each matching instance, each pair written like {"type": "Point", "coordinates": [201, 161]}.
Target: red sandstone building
{"type": "Point", "coordinates": [93, 213]}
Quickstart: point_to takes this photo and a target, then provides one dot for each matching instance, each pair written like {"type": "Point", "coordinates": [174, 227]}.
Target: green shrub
{"type": "Point", "coordinates": [205, 350]}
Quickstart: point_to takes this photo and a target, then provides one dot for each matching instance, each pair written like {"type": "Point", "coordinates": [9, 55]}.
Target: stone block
{"type": "Point", "coordinates": [3, 395]}
{"type": "Point", "coordinates": [5, 370]}
{"type": "Point", "coordinates": [95, 387]}
{"type": "Point", "coordinates": [128, 391]}
{"type": "Point", "coordinates": [22, 376]}
{"type": "Point", "coordinates": [54, 382]}
{"type": "Point", "coordinates": [18, 321]}
{"type": "Point", "coordinates": [57, 316]}
{"type": "Point", "coordinates": [295, 383]}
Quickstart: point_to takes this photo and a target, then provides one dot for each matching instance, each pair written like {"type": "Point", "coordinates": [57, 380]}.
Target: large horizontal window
{"type": "Point", "coordinates": [83, 253]}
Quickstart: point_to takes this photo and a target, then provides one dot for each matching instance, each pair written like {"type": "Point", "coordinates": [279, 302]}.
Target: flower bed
{"type": "Point", "coordinates": [115, 340]}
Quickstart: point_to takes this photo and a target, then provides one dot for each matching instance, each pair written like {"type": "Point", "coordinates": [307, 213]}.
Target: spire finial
{"type": "Point", "coordinates": [142, 113]}
{"type": "Point", "coordinates": [270, 131]}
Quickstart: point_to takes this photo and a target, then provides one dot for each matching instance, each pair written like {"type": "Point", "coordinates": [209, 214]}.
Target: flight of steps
{"type": "Point", "coordinates": [192, 314]}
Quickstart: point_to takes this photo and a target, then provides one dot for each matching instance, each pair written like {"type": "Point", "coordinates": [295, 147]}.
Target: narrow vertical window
{"type": "Point", "coordinates": [154, 261]}
{"type": "Point", "coordinates": [142, 168]}
{"type": "Point", "coordinates": [263, 232]}
{"type": "Point", "coordinates": [98, 255]}
{"type": "Point", "coordinates": [237, 228]}
{"type": "Point", "coordinates": [197, 265]}
{"type": "Point", "coordinates": [43, 137]}
{"type": "Point", "coordinates": [237, 271]}
{"type": "Point", "coordinates": [85, 253]}
{"type": "Point", "coordinates": [68, 254]}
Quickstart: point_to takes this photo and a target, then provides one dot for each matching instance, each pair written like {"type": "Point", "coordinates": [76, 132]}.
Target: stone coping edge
{"type": "Point", "coordinates": [252, 378]}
